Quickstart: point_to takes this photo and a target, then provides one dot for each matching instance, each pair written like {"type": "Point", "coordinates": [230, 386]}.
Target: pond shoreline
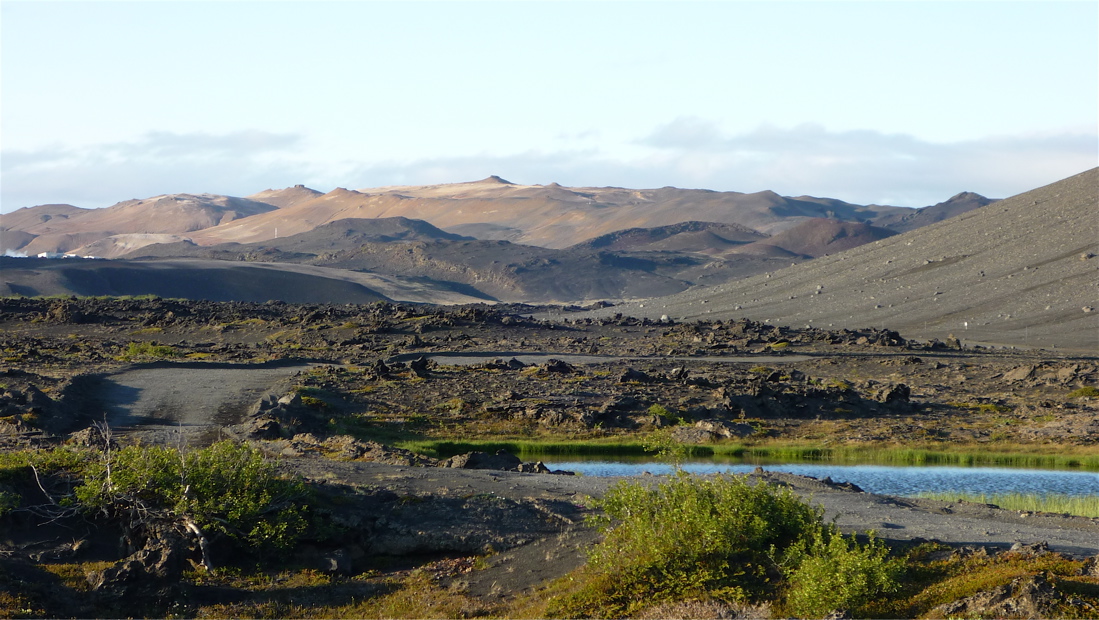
{"type": "Point", "coordinates": [764, 454]}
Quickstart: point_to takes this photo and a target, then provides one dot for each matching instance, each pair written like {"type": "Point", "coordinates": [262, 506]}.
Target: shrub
{"type": "Point", "coordinates": [689, 538]}
{"type": "Point", "coordinates": [725, 539]}
{"type": "Point", "coordinates": [9, 501]}
{"type": "Point", "coordinates": [226, 489]}
{"type": "Point", "coordinates": [838, 574]}
{"type": "Point", "coordinates": [659, 410]}
{"type": "Point", "coordinates": [147, 349]}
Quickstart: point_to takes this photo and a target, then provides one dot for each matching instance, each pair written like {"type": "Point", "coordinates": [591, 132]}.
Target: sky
{"type": "Point", "coordinates": [901, 103]}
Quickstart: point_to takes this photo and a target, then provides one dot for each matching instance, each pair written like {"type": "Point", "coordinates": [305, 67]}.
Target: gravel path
{"type": "Point", "coordinates": [195, 400]}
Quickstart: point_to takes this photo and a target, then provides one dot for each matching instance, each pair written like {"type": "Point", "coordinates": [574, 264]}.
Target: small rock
{"type": "Point", "coordinates": [632, 375]}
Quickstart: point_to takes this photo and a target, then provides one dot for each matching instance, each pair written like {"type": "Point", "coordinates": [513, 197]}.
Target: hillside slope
{"type": "Point", "coordinates": [1021, 271]}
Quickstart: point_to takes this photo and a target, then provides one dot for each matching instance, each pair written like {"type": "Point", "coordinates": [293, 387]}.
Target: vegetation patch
{"type": "Point", "coordinates": [139, 350]}
{"type": "Point", "coordinates": [1080, 505]}
{"type": "Point", "coordinates": [1085, 392]}
{"type": "Point", "coordinates": [726, 539]}
{"type": "Point", "coordinates": [227, 489]}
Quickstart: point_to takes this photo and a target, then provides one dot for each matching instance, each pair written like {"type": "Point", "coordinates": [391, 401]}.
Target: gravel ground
{"type": "Point", "coordinates": [158, 404]}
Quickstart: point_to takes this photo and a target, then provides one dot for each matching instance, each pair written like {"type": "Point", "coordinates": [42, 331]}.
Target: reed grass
{"type": "Point", "coordinates": [1080, 505]}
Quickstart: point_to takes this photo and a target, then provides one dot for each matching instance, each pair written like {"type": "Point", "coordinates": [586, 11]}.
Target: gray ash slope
{"type": "Point", "coordinates": [1021, 271]}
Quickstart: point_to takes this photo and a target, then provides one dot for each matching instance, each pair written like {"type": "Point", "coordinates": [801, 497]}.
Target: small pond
{"type": "Point", "coordinates": [886, 480]}
{"type": "Point", "coordinates": [469, 358]}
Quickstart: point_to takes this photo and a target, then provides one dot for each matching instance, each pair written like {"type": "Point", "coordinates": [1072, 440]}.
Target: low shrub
{"type": "Point", "coordinates": [721, 538]}
{"type": "Point", "coordinates": [838, 574]}
{"type": "Point", "coordinates": [137, 350]}
{"type": "Point", "coordinates": [227, 489]}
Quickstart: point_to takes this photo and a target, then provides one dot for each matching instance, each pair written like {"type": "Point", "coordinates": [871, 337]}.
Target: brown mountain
{"type": "Point", "coordinates": [815, 237]}
{"type": "Point", "coordinates": [494, 269]}
{"type": "Point", "coordinates": [544, 215]}
{"type": "Point", "coordinates": [549, 216]}
{"type": "Point", "coordinates": [633, 243]}
{"type": "Point", "coordinates": [285, 197]}
{"type": "Point", "coordinates": [1019, 271]}
{"type": "Point", "coordinates": [66, 230]}
{"type": "Point", "coordinates": [703, 237]}
{"type": "Point", "coordinates": [13, 226]}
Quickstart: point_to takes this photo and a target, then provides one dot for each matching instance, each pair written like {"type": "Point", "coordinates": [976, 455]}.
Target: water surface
{"type": "Point", "coordinates": [882, 479]}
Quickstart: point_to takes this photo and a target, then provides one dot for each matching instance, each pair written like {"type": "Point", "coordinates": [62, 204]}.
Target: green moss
{"type": "Point", "coordinates": [1085, 392]}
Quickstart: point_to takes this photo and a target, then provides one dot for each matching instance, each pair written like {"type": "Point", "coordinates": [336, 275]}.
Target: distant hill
{"type": "Point", "coordinates": [956, 205]}
{"type": "Point", "coordinates": [285, 197]}
{"type": "Point", "coordinates": [488, 238]}
{"type": "Point", "coordinates": [815, 237]}
{"type": "Point", "coordinates": [59, 228]}
{"type": "Point", "coordinates": [494, 269]}
{"type": "Point", "coordinates": [186, 279]}
{"type": "Point", "coordinates": [683, 236]}
{"type": "Point", "coordinates": [549, 216]}
{"type": "Point", "coordinates": [1019, 271]}
{"type": "Point", "coordinates": [218, 280]}
{"type": "Point", "coordinates": [14, 226]}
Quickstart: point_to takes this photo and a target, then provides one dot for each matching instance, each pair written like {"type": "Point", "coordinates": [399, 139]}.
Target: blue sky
{"type": "Point", "coordinates": [902, 103]}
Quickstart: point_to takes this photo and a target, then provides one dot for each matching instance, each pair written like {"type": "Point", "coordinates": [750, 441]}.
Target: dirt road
{"type": "Point", "coordinates": [163, 404]}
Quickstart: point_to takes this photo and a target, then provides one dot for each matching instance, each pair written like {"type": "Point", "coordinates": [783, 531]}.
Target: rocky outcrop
{"type": "Point", "coordinates": [705, 431]}
{"type": "Point", "coordinates": [153, 570]}
{"type": "Point", "coordinates": [502, 461]}
{"type": "Point", "coordinates": [1024, 597]}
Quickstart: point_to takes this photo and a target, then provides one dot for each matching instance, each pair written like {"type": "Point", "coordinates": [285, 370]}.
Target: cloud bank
{"type": "Point", "coordinates": [159, 163]}
{"type": "Point", "coordinates": [857, 166]}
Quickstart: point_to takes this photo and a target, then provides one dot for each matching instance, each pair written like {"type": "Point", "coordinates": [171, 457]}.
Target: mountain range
{"type": "Point", "coordinates": [1021, 270]}
{"type": "Point", "coordinates": [489, 239]}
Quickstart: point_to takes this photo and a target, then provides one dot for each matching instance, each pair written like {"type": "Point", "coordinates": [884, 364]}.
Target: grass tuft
{"type": "Point", "coordinates": [1084, 506]}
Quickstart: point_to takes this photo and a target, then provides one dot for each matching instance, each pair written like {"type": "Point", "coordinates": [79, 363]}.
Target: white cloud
{"type": "Point", "coordinates": [867, 166]}
{"type": "Point", "coordinates": [857, 166]}
{"type": "Point", "coordinates": [237, 163]}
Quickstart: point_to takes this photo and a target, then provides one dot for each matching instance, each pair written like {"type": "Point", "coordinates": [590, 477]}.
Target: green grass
{"type": "Point", "coordinates": [1084, 506]}
{"type": "Point", "coordinates": [1088, 391]}
{"type": "Point", "coordinates": [136, 350]}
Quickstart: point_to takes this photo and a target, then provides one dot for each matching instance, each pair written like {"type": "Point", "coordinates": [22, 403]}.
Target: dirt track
{"type": "Point", "coordinates": [195, 400]}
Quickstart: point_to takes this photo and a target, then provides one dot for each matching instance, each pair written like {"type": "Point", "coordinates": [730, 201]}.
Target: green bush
{"type": "Point", "coordinates": [721, 538]}
{"type": "Point", "coordinates": [659, 410]}
{"type": "Point", "coordinates": [837, 574]}
{"type": "Point", "coordinates": [689, 538]}
{"type": "Point", "coordinates": [227, 489]}
{"type": "Point", "coordinates": [147, 349]}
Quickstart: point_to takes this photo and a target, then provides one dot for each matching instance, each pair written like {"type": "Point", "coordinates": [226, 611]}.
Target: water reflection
{"type": "Point", "coordinates": [905, 481]}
